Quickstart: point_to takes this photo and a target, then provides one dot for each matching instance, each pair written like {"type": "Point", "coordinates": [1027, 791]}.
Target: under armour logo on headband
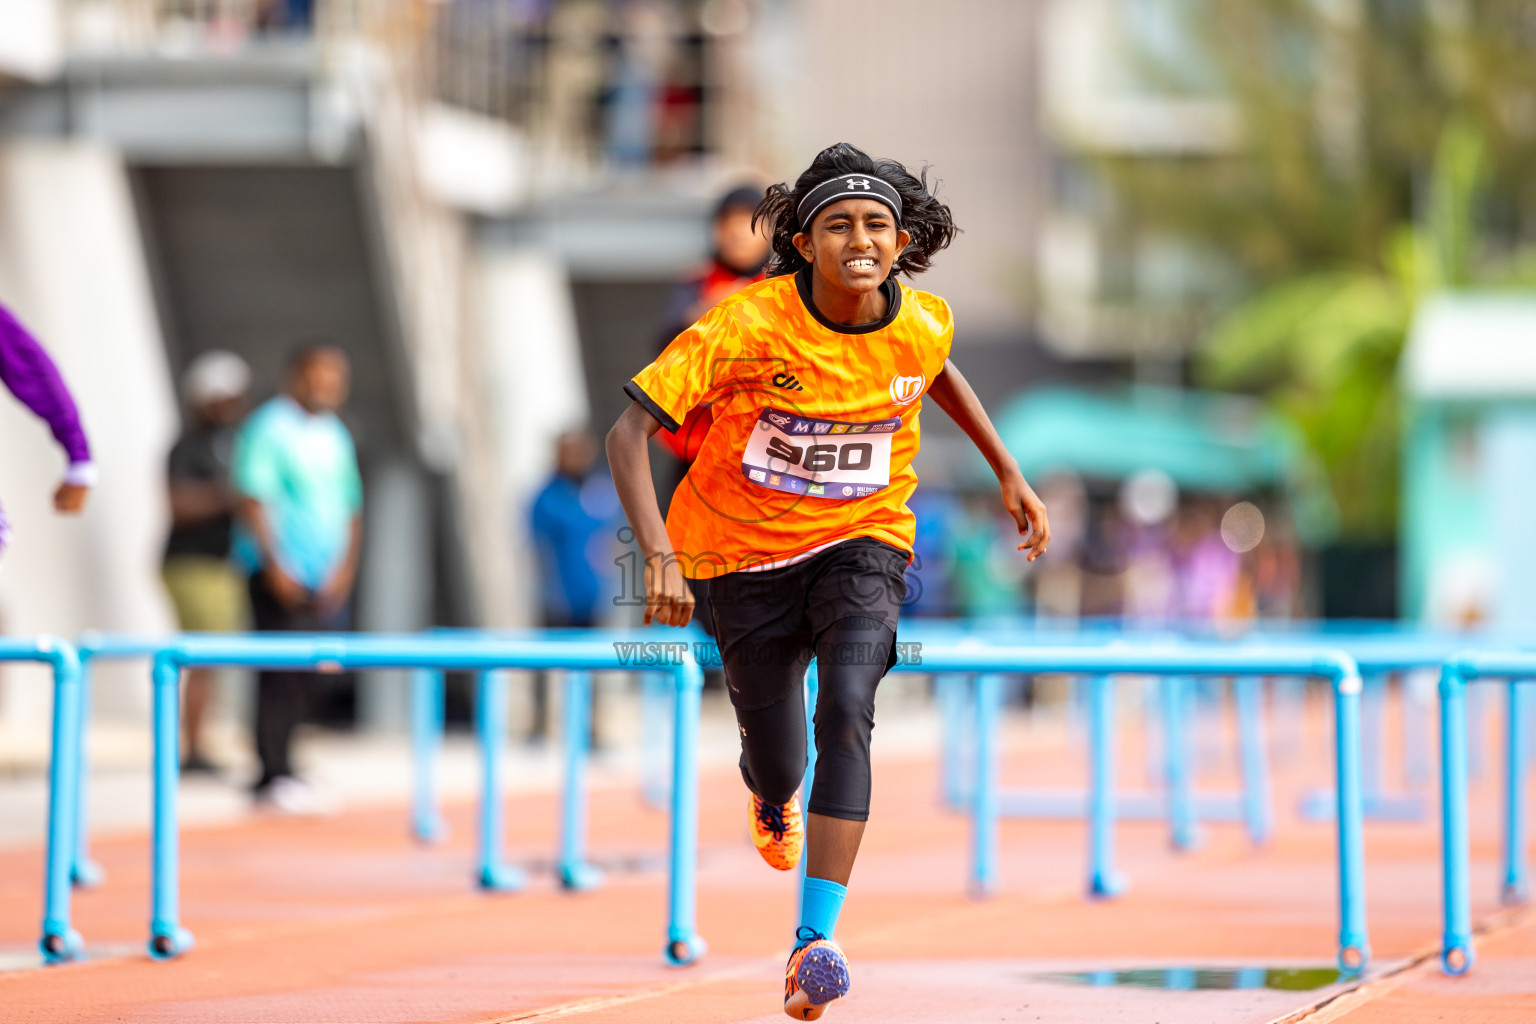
{"type": "Point", "coordinates": [834, 189]}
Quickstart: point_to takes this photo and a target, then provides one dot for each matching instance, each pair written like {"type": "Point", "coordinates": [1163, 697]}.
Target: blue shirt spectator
{"type": "Point", "coordinates": [572, 521]}
{"type": "Point", "coordinates": [302, 468]}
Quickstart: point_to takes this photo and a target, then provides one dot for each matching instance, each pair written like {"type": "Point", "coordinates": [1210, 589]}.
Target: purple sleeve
{"type": "Point", "coordinates": [26, 369]}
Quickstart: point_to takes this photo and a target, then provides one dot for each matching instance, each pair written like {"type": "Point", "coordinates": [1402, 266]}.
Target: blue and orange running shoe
{"type": "Point", "coordinates": [816, 974]}
{"type": "Point", "coordinates": [777, 832]}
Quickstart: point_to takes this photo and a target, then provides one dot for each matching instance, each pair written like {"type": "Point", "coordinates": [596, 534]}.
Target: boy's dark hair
{"type": "Point", "coordinates": [923, 217]}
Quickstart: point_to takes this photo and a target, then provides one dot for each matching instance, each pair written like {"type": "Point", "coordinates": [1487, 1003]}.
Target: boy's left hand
{"type": "Point", "coordinates": [1029, 512]}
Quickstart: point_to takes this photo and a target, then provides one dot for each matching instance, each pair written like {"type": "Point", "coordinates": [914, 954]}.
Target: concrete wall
{"type": "Point", "coordinates": [532, 386]}
{"type": "Point", "coordinates": [72, 268]}
{"type": "Point", "coordinates": [957, 92]}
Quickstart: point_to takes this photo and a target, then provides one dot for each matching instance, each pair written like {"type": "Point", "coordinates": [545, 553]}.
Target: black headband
{"type": "Point", "coordinates": [847, 186]}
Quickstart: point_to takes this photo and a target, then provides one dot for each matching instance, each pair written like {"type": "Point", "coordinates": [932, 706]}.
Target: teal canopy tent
{"type": "Point", "coordinates": [1206, 442]}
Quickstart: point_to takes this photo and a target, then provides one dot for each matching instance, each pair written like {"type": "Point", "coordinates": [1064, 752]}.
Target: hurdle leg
{"type": "Point", "coordinates": [1349, 818]}
{"type": "Point", "coordinates": [1456, 951]}
{"type": "Point", "coordinates": [574, 871]}
{"type": "Point", "coordinates": [684, 944]}
{"type": "Point", "coordinates": [1516, 888]}
{"type": "Point", "coordinates": [60, 941]}
{"type": "Point", "coordinates": [1258, 812]}
{"type": "Point", "coordinates": [1417, 699]}
{"type": "Point", "coordinates": [84, 873]}
{"type": "Point", "coordinates": [1181, 798]}
{"type": "Point", "coordinates": [491, 726]}
{"type": "Point", "coordinates": [984, 798]}
{"type": "Point", "coordinates": [1103, 880]}
{"type": "Point", "coordinates": [1373, 700]}
{"type": "Point", "coordinates": [1476, 702]}
{"type": "Point", "coordinates": [655, 693]}
{"type": "Point", "coordinates": [427, 694]}
{"type": "Point", "coordinates": [953, 692]}
{"type": "Point", "coordinates": [1151, 710]}
{"type": "Point", "coordinates": [167, 938]}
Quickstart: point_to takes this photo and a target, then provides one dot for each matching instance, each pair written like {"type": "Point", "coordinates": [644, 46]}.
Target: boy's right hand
{"type": "Point", "coordinates": [70, 498]}
{"type": "Point", "coordinates": [668, 601]}
{"type": "Point", "coordinates": [290, 593]}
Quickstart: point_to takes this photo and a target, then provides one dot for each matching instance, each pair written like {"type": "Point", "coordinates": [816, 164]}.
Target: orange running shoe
{"type": "Point", "coordinates": [777, 832]}
{"type": "Point", "coordinates": [816, 974]}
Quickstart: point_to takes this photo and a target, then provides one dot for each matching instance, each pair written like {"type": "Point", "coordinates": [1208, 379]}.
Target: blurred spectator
{"type": "Point", "coordinates": [930, 589]}
{"type": "Point", "coordinates": [1207, 569]}
{"type": "Point", "coordinates": [285, 15]}
{"type": "Point", "coordinates": [1058, 581]}
{"type": "Point", "coordinates": [1148, 501]}
{"type": "Point", "coordinates": [1277, 570]}
{"type": "Point", "coordinates": [738, 252]}
{"type": "Point", "coordinates": [737, 255]}
{"type": "Point", "coordinates": [572, 521]}
{"type": "Point", "coordinates": [301, 495]}
{"type": "Point", "coordinates": [988, 578]}
{"type": "Point", "coordinates": [31, 376]}
{"type": "Point", "coordinates": [205, 588]}
{"type": "Point", "coordinates": [645, 45]}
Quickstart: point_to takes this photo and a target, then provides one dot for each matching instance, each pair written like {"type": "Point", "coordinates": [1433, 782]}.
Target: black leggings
{"type": "Point", "coordinates": [852, 655]}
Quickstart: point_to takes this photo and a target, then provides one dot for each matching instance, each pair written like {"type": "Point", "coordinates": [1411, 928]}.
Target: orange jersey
{"type": "Point", "coordinates": [815, 423]}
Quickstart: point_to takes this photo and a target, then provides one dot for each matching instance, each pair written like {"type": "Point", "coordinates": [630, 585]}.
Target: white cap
{"type": "Point", "coordinates": [215, 376]}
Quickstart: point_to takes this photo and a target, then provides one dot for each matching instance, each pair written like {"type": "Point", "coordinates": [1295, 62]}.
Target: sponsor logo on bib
{"type": "Point", "coordinates": [905, 389]}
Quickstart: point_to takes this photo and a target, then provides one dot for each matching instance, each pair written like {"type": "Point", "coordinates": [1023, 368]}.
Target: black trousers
{"type": "Point", "coordinates": [283, 697]}
{"type": "Point", "coordinates": [841, 606]}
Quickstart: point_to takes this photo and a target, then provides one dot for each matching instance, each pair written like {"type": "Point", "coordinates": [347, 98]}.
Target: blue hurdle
{"type": "Point", "coordinates": [1379, 658]}
{"type": "Point", "coordinates": [59, 941]}
{"type": "Point", "coordinates": [1335, 666]}
{"type": "Point", "coordinates": [93, 647]}
{"type": "Point", "coordinates": [168, 938]}
{"type": "Point", "coordinates": [1179, 804]}
{"type": "Point", "coordinates": [426, 735]}
{"type": "Point", "coordinates": [1456, 949]}
{"type": "Point", "coordinates": [428, 693]}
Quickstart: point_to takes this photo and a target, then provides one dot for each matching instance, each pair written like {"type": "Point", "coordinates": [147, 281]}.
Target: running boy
{"type": "Point", "coordinates": [796, 504]}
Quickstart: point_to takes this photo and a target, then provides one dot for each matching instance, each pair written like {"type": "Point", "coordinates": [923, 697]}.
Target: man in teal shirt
{"type": "Point", "coordinates": [295, 469]}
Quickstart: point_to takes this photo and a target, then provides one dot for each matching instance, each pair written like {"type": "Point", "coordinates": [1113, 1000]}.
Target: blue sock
{"type": "Point", "coordinates": [820, 903]}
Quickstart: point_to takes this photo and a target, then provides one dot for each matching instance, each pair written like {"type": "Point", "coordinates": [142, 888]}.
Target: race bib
{"type": "Point", "coordinates": [819, 458]}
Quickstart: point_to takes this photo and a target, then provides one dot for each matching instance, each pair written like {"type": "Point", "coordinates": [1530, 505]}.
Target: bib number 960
{"type": "Point", "coordinates": [819, 458]}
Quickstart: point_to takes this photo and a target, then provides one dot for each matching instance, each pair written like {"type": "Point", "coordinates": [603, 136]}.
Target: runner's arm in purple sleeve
{"type": "Point", "coordinates": [31, 376]}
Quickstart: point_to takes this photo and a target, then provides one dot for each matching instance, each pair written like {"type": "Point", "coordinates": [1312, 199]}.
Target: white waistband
{"type": "Point", "coordinates": [791, 560]}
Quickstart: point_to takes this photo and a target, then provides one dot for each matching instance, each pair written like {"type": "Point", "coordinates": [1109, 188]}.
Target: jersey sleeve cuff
{"type": "Point", "coordinates": [81, 474]}
{"type": "Point", "coordinates": [645, 402]}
